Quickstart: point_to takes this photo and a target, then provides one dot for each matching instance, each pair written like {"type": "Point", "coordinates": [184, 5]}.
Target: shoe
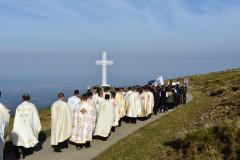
{"type": "Point", "coordinates": [113, 129]}
{"type": "Point", "coordinates": [87, 145]}
{"type": "Point", "coordinates": [57, 150]}
{"type": "Point", "coordinates": [17, 155]}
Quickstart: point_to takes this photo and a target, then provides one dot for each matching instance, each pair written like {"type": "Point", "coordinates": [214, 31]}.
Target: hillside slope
{"type": "Point", "coordinates": [206, 128]}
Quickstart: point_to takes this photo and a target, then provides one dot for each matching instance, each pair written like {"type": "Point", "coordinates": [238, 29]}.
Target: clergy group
{"type": "Point", "coordinates": [79, 119]}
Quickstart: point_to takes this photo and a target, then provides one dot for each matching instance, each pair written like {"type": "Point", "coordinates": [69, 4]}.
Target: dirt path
{"type": "Point", "coordinates": [97, 146]}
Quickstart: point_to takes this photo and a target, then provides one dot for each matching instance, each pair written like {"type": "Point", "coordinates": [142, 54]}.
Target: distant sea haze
{"type": "Point", "coordinates": [41, 97]}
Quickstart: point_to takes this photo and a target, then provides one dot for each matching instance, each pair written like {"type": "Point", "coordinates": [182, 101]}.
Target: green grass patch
{"type": "Point", "coordinates": [193, 131]}
{"type": "Point", "coordinates": [218, 142]}
{"type": "Point", "coordinates": [147, 143]}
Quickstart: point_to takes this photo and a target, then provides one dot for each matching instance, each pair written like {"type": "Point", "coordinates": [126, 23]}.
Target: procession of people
{"type": "Point", "coordinates": [92, 115]}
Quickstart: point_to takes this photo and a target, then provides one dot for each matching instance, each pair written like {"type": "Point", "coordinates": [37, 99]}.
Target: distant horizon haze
{"type": "Point", "coordinates": [49, 45]}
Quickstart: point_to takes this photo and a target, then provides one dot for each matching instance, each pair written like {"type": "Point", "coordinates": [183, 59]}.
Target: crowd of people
{"type": "Point", "coordinates": [94, 114]}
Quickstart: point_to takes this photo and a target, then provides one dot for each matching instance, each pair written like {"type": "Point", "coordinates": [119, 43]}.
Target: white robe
{"type": "Point", "coordinates": [95, 98]}
{"type": "Point", "coordinates": [105, 119]}
{"type": "Point", "coordinates": [150, 103]}
{"type": "Point", "coordinates": [26, 126]}
{"type": "Point", "coordinates": [93, 113]}
{"type": "Point", "coordinates": [73, 101]}
{"type": "Point", "coordinates": [116, 107]}
{"type": "Point", "coordinates": [122, 104]}
{"type": "Point", "coordinates": [133, 103]}
{"type": "Point", "coordinates": [97, 102]}
{"type": "Point", "coordinates": [128, 94]}
{"type": "Point", "coordinates": [83, 123]}
{"type": "Point", "coordinates": [4, 120]}
{"type": "Point", "coordinates": [144, 104]}
{"type": "Point", "coordinates": [61, 122]}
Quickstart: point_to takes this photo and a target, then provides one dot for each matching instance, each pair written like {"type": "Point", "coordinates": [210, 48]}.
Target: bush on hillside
{"type": "Point", "coordinates": [218, 142]}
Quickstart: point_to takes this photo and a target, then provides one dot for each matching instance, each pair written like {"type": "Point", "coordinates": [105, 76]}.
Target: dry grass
{"type": "Point", "coordinates": [216, 100]}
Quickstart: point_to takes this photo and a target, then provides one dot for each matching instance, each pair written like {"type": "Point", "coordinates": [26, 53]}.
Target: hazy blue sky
{"type": "Point", "coordinates": [56, 42]}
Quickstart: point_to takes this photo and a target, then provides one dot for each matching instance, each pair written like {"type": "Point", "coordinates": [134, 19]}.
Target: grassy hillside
{"type": "Point", "coordinates": [206, 128]}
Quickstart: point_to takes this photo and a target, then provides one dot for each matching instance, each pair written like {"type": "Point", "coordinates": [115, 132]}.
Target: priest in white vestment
{"type": "Point", "coordinates": [4, 120]}
{"type": "Point", "coordinates": [26, 126]}
{"type": "Point", "coordinates": [133, 103]}
{"type": "Point", "coordinates": [93, 110]}
{"type": "Point", "coordinates": [144, 103]}
{"type": "Point", "coordinates": [116, 106]}
{"type": "Point", "coordinates": [94, 98]}
{"type": "Point", "coordinates": [74, 100]}
{"type": "Point", "coordinates": [122, 103]}
{"type": "Point", "coordinates": [105, 118]}
{"type": "Point", "coordinates": [61, 124]}
{"type": "Point", "coordinates": [150, 103]}
{"type": "Point", "coordinates": [98, 100]}
{"type": "Point", "coordinates": [127, 95]}
{"type": "Point", "coordinates": [83, 123]}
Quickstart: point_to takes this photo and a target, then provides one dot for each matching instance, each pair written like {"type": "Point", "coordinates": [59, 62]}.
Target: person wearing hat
{"type": "Point", "coordinates": [26, 127]}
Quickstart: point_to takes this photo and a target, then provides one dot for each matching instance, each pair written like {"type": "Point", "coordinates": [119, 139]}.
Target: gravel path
{"type": "Point", "coordinates": [97, 146]}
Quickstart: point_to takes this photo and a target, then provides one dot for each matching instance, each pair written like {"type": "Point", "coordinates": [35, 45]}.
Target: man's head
{"type": "Point", "coordinates": [76, 92]}
{"type": "Point", "coordinates": [117, 89]}
{"type": "Point", "coordinates": [85, 97]}
{"type": "Point", "coordinates": [61, 95]}
{"type": "Point", "coordinates": [26, 97]}
{"type": "Point", "coordinates": [89, 94]}
{"type": "Point", "coordinates": [100, 93]}
{"type": "Point", "coordinates": [113, 94]}
{"type": "Point", "coordinates": [107, 96]}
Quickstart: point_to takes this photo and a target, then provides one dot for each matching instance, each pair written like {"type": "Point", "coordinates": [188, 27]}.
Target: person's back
{"type": "Point", "coordinates": [104, 108]}
{"type": "Point", "coordinates": [60, 113]}
{"type": "Point", "coordinates": [82, 123]}
{"type": "Point", "coordinates": [4, 117]}
{"type": "Point", "coordinates": [61, 123]}
{"type": "Point", "coordinates": [131, 106]}
{"type": "Point", "coordinates": [74, 100]}
{"type": "Point", "coordinates": [150, 103]}
{"type": "Point", "coordinates": [116, 108]}
{"type": "Point", "coordinates": [105, 118]}
{"type": "Point", "coordinates": [4, 120]}
{"type": "Point", "coordinates": [157, 101]}
{"type": "Point", "coordinates": [144, 104]}
{"type": "Point", "coordinates": [121, 99]}
{"type": "Point", "coordinates": [26, 127]}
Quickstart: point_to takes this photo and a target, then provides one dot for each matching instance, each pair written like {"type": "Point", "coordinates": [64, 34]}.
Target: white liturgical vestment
{"type": "Point", "coordinates": [61, 123]}
{"type": "Point", "coordinates": [26, 126]}
{"type": "Point", "coordinates": [105, 119]}
{"type": "Point", "coordinates": [4, 120]}
{"type": "Point", "coordinates": [72, 102]}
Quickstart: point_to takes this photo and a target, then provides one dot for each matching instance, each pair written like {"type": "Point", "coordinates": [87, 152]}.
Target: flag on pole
{"type": "Point", "coordinates": [159, 81]}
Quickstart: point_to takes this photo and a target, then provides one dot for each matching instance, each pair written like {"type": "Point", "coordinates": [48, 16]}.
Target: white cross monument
{"type": "Point", "coordinates": [104, 63]}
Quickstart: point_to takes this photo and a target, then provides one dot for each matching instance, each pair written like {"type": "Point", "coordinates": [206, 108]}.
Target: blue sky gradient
{"type": "Point", "coordinates": [57, 42]}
